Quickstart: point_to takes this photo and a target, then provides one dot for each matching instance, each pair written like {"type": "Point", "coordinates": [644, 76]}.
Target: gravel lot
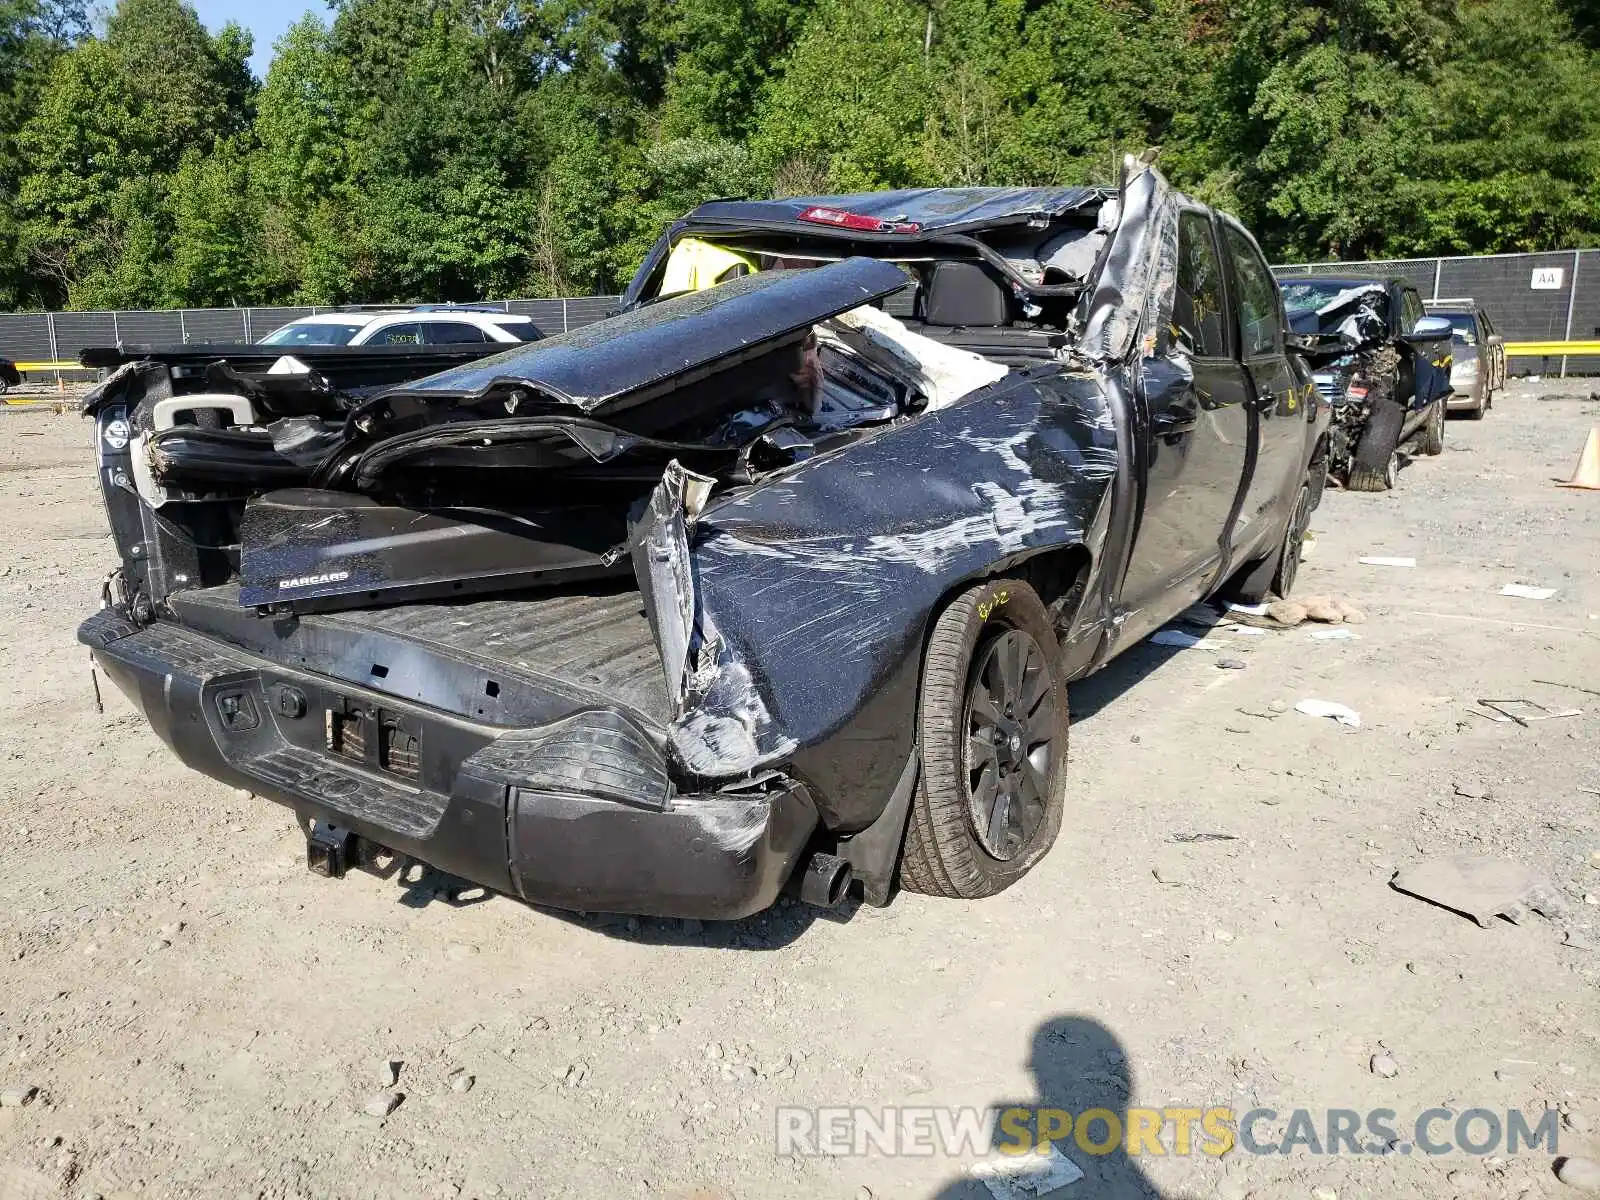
{"type": "Point", "coordinates": [202, 1016]}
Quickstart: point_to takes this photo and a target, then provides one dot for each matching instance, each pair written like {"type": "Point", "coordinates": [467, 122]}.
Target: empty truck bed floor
{"type": "Point", "coordinates": [595, 639]}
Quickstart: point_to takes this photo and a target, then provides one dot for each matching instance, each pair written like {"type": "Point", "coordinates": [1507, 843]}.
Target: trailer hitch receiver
{"type": "Point", "coordinates": [330, 850]}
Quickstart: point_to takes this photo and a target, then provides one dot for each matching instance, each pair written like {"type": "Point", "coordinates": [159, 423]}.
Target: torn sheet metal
{"type": "Point", "coordinates": [660, 544]}
{"type": "Point", "coordinates": [1131, 302]}
{"type": "Point", "coordinates": [813, 590]}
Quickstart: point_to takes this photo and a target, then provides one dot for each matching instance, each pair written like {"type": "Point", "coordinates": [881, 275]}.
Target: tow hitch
{"type": "Point", "coordinates": [331, 850]}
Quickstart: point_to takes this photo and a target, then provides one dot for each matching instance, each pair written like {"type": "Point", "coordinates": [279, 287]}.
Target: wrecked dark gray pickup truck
{"type": "Point", "coordinates": [751, 584]}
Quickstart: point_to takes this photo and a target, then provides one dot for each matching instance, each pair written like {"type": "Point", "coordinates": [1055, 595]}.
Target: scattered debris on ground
{"type": "Point", "coordinates": [1526, 592]}
{"type": "Point", "coordinates": [1341, 713]}
{"type": "Point", "coordinates": [1481, 887]}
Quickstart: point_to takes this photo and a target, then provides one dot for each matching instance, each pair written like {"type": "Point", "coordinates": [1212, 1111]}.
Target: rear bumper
{"type": "Point", "coordinates": [579, 815]}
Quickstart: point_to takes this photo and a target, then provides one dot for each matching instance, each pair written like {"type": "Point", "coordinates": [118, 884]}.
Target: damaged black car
{"type": "Point", "coordinates": [1382, 364]}
{"type": "Point", "coordinates": [755, 583]}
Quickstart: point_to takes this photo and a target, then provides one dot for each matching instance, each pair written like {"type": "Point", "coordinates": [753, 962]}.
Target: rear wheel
{"type": "Point", "coordinates": [992, 722]}
{"type": "Point", "coordinates": [1276, 572]}
{"type": "Point", "coordinates": [1375, 466]}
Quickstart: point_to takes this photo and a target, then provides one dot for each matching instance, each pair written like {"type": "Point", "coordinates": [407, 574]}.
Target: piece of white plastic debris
{"type": "Point", "coordinates": [1526, 592]}
{"type": "Point", "coordinates": [1177, 637]}
{"type": "Point", "coordinates": [1247, 630]}
{"type": "Point", "coordinates": [1379, 560]}
{"type": "Point", "coordinates": [1341, 713]}
{"type": "Point", "coordinates": [1255, 610]}
{"type": "Point", "coordinates": [1334, 635]}
{"type": "Point", "coordinates": [1018, 1176]}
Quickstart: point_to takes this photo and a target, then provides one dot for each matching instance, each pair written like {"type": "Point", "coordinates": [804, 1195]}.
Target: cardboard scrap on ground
{"type": "Point", "coordinates": [1527, 593]}
{"type": "Point", "coordinates": [1480, 887]}
{"type": "Point", "coordinates": [1019, 1176]}
{"type": "Point", "coordinates": [1341, 713]}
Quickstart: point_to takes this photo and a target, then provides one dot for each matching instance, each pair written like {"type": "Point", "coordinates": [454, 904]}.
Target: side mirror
{"type": "Point", "coordinates": [1430, 329]}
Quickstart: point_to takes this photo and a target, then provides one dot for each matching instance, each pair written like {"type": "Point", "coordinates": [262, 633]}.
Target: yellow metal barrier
{"type": "Point", "coordinates": [50, 366]}
{"type": "Point", "coordinates": [1551, 349]}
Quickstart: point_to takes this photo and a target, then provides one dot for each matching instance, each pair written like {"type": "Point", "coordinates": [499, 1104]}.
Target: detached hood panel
{"type": "Point", "coordinates": [625, 360]}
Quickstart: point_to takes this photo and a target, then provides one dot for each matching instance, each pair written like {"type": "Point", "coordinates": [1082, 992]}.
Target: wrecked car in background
{"type": "Point", "coordinates": [1384, 366]}
{"type": "Point", "coordinates": [747, 585]}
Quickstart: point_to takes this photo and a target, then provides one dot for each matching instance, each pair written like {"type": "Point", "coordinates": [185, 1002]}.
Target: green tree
{"type": "Point", "coordinates": [33, 35]}
{"type": "Point", "coordinates": [113, 121]}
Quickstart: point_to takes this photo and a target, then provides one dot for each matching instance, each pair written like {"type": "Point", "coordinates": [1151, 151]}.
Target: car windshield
{"type": "Point", "coordinates": [313, 333]}
{"type": "Point", "coordinates": [1463, 326]}
{"type": "Point", "coordinates": [1302, 296]}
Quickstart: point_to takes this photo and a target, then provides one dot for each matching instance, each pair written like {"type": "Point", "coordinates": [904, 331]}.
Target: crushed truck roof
{"type": "Point", "coordinates": [930, 209]}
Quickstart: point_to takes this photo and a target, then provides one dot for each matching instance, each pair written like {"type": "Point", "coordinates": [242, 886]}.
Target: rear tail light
{"type": "Point", "coordinates": [840, 219]}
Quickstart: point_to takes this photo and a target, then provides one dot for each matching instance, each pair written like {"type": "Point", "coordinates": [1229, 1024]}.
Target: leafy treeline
{"type": "Point", "coordinates": [450, 149]}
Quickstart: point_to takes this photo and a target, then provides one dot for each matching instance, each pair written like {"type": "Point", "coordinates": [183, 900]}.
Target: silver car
{"type": "Point", "coordinates": [1479, 353]}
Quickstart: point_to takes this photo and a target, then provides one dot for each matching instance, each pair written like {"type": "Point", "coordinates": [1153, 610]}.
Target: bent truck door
{"type": "Point", "coordinates": [1197, 444]}
{"type": "Point", "coordinates": [1275, 396]}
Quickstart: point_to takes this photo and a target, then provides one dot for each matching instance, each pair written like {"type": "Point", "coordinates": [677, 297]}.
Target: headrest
{"type": "Point", "coordinates": [963, 293]}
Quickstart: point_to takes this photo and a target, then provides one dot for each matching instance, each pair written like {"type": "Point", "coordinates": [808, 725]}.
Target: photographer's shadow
{"type": "Point", "coordinates": [1078, 1065]}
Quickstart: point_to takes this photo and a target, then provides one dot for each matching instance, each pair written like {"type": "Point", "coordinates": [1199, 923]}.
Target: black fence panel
{"type": "Point", "coordinates": [25, 337]}
{"type": "Point", "coordinates": [214, 325]}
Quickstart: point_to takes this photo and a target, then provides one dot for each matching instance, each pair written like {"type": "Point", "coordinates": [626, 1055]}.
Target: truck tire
{"type": "Point", "coordinates": [1375, 465]}
{"type": "Point", "coordinates": [1430, 440]}
{"type": "Point", "coordinates": [992, 725]}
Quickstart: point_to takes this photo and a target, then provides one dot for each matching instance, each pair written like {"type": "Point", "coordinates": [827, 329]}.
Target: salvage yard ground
{"type": "Point", "coordinates": [203, 1016]}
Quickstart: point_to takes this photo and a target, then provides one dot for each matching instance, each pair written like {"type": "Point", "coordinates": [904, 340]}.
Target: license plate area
{"type": "Point", "coordinates": [380, 739]}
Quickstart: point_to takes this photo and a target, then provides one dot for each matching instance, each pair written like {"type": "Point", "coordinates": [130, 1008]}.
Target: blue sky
{"type": "Point", "coordinates": [267, 19]}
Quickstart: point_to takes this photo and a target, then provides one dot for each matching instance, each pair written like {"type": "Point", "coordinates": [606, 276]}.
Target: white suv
{"type": "Point", "coordinates": [429, 325]}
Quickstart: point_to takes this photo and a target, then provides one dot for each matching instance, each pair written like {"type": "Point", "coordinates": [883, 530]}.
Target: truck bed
{"type": "Point", "coordinates": [504, 661]}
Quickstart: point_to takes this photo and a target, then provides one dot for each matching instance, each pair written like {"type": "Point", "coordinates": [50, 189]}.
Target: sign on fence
{"type": "Point", "coordinates": [1548, 279]}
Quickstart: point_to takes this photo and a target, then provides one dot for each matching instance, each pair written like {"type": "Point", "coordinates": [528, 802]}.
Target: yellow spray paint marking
{"type": "Point", "coordinates": [985, 607]}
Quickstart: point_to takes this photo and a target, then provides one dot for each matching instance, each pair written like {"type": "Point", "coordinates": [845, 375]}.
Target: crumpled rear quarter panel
{"type": "Point", "coordinates": [821, 584]}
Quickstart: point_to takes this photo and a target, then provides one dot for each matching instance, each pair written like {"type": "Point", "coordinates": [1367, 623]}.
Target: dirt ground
{"type": "Point", "coordinates": [202, 1016]}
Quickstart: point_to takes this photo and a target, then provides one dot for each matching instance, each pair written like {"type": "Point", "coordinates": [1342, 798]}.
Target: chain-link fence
{"type": "Point", "coordinates": [30, 338]}
{"type": "Point", "coordinates": [1549, 297]}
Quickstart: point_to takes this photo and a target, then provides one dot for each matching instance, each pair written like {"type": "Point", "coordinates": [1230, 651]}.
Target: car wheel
{"type": "Point", "coordinates": [1276, 572]}
{"type": "Point", "coordinates": [1294, 538]}
{"type": "Point", "coordinates": [992, 724]}
{"type": "Point", "coordinates": [1375, 466]}
{"type": "Point", "coordinates": [1431, 440]}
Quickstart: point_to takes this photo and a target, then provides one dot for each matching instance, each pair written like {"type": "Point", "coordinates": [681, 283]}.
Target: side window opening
{"type": "Point", "coordinates": [446, 333]}
{"type": "Point", "coordinates": [1197, 316]}
{"type": "Point", "coordinates": [1259, 310]}
{"type": "Point", "coordinates": [398, 335]}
